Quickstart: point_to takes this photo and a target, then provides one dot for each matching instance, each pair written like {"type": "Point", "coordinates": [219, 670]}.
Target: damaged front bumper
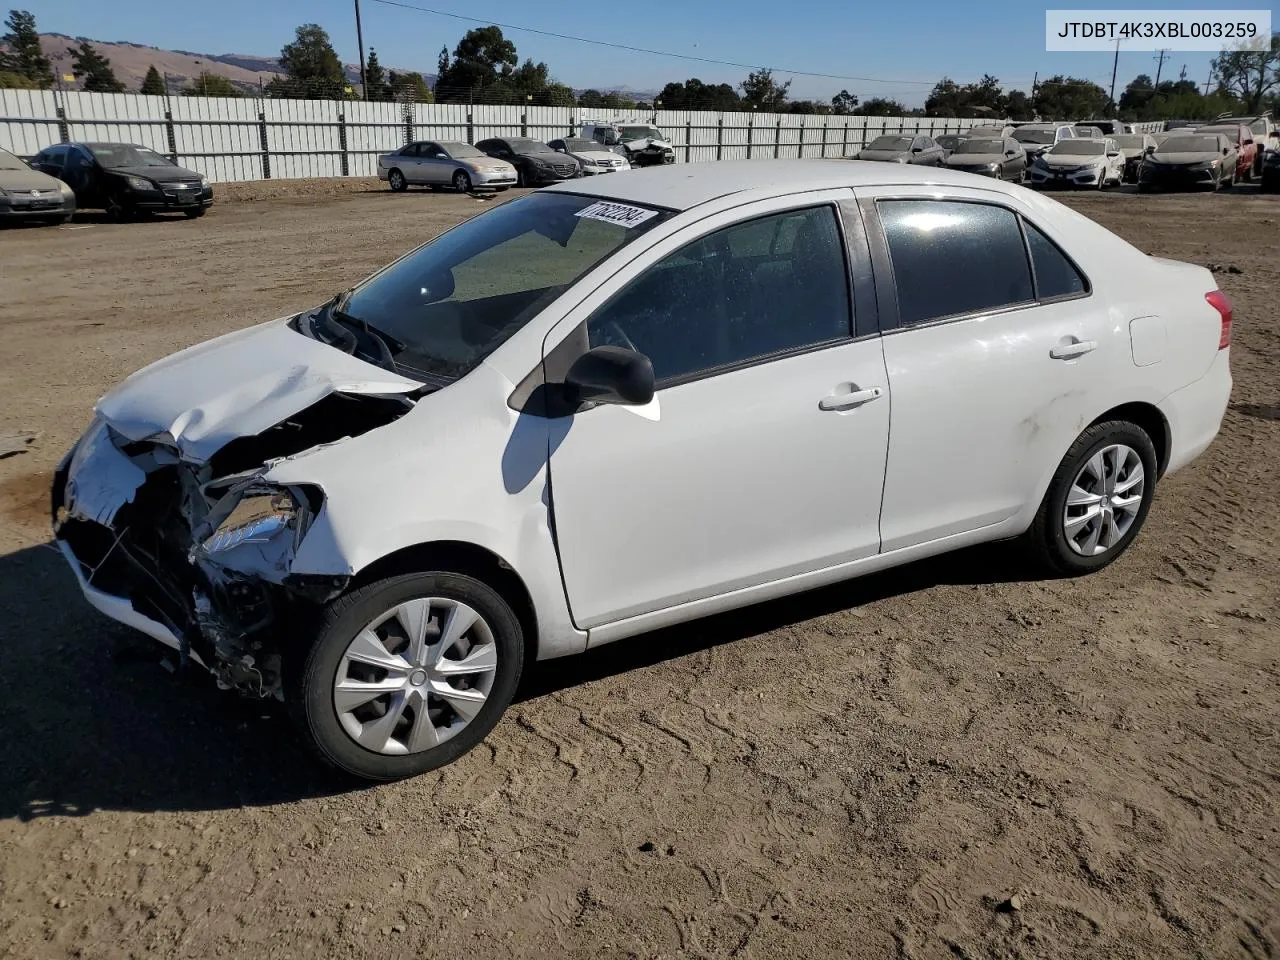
{"type": "Point", "coordinates": [199, 562]}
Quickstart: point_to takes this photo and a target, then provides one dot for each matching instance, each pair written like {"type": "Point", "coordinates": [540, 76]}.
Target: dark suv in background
{"type": "Point", "coordinates": [535, 163]}
{"type": "Point", "coordinates": [125, 179]}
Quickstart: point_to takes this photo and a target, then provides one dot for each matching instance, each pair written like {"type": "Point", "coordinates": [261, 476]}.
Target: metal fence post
{"type": "Point", "coordinates": [800, 145]}
{"type": "Point", "coordinates": [262, 143]}
{"type": "Point", "coordinates": [688, 140]}
{"type": "Point", "coordinates": [844, 149]}
{"type": "Point", "coordinates": [64, 134]}
{"type": "Point", "coordinates": [777, 138]}
{"type": "Point", "coordinates": [524, 124]}
{"type": "Point", "coordinates": [751, 125]}
{"type": "Point", "coordinates": [406, 114]}
{"type": "Point", "coordinates": [171, 136]}
{"type": "Point", "coordinates": [824, 141]}
{"type": "Point", "coordinates": [342, 144]}
{"type": "Point", "coordinates": [720, 138]}
{"type": "Point", "coordinates": [471, 128]}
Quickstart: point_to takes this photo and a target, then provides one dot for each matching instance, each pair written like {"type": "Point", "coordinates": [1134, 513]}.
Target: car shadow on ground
{"type": "Point", "coordinates": [91, 720]}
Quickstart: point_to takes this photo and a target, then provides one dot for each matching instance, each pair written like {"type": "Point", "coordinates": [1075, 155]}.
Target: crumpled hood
{"type": "Point", "coordinates": [646, 143]}
{"type": "Point", "coordinates": [237, 385]}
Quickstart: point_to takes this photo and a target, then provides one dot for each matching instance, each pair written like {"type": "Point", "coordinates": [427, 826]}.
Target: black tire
{"type": "Point", "coordinates": [118, 209]}
{"type": "Point", "coordinates": [1047, 537]}
{"type": "Point", "coordinates": [1144, 187]}
{"type": "Point", "coordinates": [310, 672]}
{"type": "Point", "coordinates": [396, 180]}
{"type": "Point", "coordinates": [462, 182]}
{"type": "Point", "coordinates": [521, 180]}
{"type": "Point", "coordinates": [196, 214]}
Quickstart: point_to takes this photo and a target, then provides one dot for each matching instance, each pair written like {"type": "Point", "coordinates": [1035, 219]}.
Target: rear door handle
{"type": "Point", "coordinates": [1069, 351]}
{"type": "Point", "coordinates": [843, 401]}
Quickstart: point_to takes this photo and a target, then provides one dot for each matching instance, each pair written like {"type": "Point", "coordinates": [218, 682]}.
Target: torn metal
{"type": "Point", "coordinates": [162, 505]}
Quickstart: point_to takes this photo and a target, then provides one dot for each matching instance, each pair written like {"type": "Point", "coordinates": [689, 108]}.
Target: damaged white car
{"type": "Point", "coordinates": [624, 403]}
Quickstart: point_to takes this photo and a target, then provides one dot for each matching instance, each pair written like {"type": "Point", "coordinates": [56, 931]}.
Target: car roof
{"type": "Point", "coordinates": [686, 185]}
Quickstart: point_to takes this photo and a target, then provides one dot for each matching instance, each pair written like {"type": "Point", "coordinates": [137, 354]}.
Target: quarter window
{"type": "Point", "coordinates": [1056, 276]}
{"type": "Point", "coordinates": [951, 258]}
{"type": "Point", "coordinates": [764, 287]}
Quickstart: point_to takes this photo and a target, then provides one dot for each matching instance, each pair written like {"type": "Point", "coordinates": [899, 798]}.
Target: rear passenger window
{"type": "Point", "coordinates": [1056, 276]}
{"type": "Point", "coordinates": [767, 286]}
{"type": "Point", "coordinates": [951, 258]}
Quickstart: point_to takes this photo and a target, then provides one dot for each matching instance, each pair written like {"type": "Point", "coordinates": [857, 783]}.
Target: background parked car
{"type": "Point", "coordinates": [27, 194]}
{"type": "Point", "coordinates": [1134, 146]}
{"type": "Point", "coordinates": [535, 162]}
{"type": "Point", "coordinates": [1087, 131]}
{"type": "Point", "coordinates": [996, 131]}
{"type": "Point", "coordinates": [448, 163]}
{"type": "Point", "coordinates": [948, 141]}
{"type": "Point", "coordinates": [1187, 160]}
{"type": "Point", "coordinates": [1266, 135]}
{"type": "Point", "coordinates": [1095, 163]}
{"type": "Point", "coordinates": [1036, 138]}
{"type": "Point", "coordinates": [1000, 158]}
{"type": "Point", "coordinates": [1109, 128]}
{"type": "Point", "coordinates": [125, 179]}
{"type": "Point", "coordinates": [594, 157]}
{"type": "Point", "coordinates": [920, 150]}
{"type": "Point", "coordinates": [1241, 138]}
{"type": "Point", "coordinates": [1270, 179]}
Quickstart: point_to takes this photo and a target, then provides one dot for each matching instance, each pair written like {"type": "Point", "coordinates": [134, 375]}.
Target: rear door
{"type": "Point", "coordinates": [994, 347]}
{"type": "Point", "coordinates": [407, 161]}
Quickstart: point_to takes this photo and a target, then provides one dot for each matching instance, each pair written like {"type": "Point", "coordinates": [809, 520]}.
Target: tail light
{"type": "Point", "coordinates": [1219, 301]}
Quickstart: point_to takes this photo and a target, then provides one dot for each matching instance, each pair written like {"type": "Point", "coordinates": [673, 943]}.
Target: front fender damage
{"type": "Point", "coordinates": [206, 548]}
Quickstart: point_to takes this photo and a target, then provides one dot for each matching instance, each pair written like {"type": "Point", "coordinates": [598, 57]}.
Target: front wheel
{"type": "Point", "coordinates": [462, 182]}
{"type": "Point", "coordinates": [195, 214]}
{"type": "Point", "coordinates": [1097, 500]}
{"type": "Point", "coordinates": [407, 674]}
{"type": "Point", "coordinates": [117, 208]}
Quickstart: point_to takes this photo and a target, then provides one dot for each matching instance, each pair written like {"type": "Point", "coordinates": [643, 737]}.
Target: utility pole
{"type": "Point", "coordinates": [1114, 64]}
{"type": "Point", "coordinates": [1160, 66]}
{"type": "Point", "coordinates": [364, 90]}
{"type": "Point", "coordinates": [1208, 81]}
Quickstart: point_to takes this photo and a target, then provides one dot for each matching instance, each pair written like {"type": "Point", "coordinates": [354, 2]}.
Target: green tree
{"type": "Point", "coordinates": [1137, 94]}
{"type": "Point", "coordinates": [1062, 97]}
{"type": "Point", "coordinates": [482, 58]}
{"type": "Point", "coordinates": [1018, 106]}
{"type": "Point", "coordinates": [951, 99]}
{"type": "Point", "coordinates": [844, 103]}
{"type": "Point", "coordinates": [881, 107]}
{"type": "Point", "coordinates": [760, 91]}
{"type": "Point", "coordinates": [312, 66]}
{"type": "Point", "coordinates": [153, 83]}
{"type": "Point", "coordinates": [1251, 76]}
{"type": "Point", "coordinates": [16, 81]}
{"type": "Point", "coordinates": [408, 87]}
{"type": "Point", "coordinates": [94, 69]}
{"type": "Point", "coordinates": [591, 98]}
{"type": "Point", "coordinates": [211, 85]}
{"type": "Point", "coordinates": [693, 94]}
{"type": "Point", "coordinates": [375, 79]}
{"type": "Point", "coordinates": [24, 56]}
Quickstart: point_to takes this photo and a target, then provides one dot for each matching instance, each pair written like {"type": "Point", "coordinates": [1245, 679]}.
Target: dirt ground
{"type": "Point", "coordinates": [950, 760]}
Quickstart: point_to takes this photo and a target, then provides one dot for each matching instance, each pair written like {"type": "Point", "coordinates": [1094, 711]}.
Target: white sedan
{"type": "Point", "coordinates": [627, 402]}
{"type": "Point", "coordinates": [593, 157]}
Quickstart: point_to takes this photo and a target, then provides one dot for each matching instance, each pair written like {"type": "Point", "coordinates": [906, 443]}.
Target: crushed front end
{"type": "Point", "coordinates": [198, 554]}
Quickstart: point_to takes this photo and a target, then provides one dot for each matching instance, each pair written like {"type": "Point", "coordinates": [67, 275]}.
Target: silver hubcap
{"type": "Point", "coordinates": [415, 676]}
{"type": "Point", "coordinates": [1104, 500]}
{"type": "Point", "coordinates": [397, 179]}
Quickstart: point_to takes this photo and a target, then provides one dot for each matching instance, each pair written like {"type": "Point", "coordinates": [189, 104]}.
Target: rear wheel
{"type": "Point", "coordinates": [397, 182]}
{"type": "Point", "coordinates": [462, 182]}
{"type": "Point", "coordinates": [1097, 500]}
{"type": "Point", "coordinates": [407, 674]}
{"type": "Point", "coordinates": [196, 213]}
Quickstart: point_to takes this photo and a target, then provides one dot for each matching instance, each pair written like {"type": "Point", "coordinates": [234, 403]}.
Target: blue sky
{"type": "Point", "coordinates": [909, 46]}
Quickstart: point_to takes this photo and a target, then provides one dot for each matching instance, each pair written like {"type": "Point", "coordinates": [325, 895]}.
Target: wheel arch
{"type": "Point", "coordinates": [1153, 423]}
{"type": "Point", "coordinates": [469, 559]}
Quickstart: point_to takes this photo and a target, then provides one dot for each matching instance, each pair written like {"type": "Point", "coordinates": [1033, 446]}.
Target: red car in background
{"type": "Point", "coordinates": [1246, 149]}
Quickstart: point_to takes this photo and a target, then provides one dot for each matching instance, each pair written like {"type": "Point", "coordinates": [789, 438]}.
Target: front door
{"type": "Point", "coordinates": [762, 454]}
{"type": "Point", "coordinates": [991, 367]}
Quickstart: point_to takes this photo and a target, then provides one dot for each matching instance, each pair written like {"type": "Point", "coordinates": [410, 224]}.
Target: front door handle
{"type": "Point", "coordinates": [1073, 349]}
{"type": "Point", "coordinates": [843, 401]}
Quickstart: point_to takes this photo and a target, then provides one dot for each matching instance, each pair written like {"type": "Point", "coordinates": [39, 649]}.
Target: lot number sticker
{"type": "Point", "coordinates": [620, 213]}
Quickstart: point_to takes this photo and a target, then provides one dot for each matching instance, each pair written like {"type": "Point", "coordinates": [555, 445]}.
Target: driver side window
{"type": "Point", "coordinates": [768, 286]}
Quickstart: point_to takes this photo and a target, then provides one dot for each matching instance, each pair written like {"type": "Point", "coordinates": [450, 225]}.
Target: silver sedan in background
{"type": "Point", "coordinates": [447, 163]}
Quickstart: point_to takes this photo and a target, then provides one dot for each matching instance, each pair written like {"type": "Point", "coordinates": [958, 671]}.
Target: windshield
{"type": "Point", "coordinates": [124, 155]}
{"type": "Point", "coordinates": [1079, 148]}
{"type": "Point", "coordinates": [447, 305]}
{"type": "Point", "coordinates": [1130, 141]}
{"type": "Point", "coordinates": [640, 133]}
{"type": "Point", "coordinates": [980, 146]}
{"type": "Point", "coordinates": [461, 151]}
{"type": "Point", "coordinates": [1034, 136]}
{"type": "Point", "coordinates": [579, 146]}
{"type": "Point", "coordinates": [9, 162]}
{"type": "Point", "coordinates": [1190, 145]}
{"type": "Point", "coordinates": [1231, 133]}
{"type": "Point", "coordinates": [529, 146]}
{"type": "Point", "coordinates": [890, 143]}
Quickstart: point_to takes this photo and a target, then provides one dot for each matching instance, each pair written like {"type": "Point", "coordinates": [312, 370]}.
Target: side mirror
{"type": "Point", "coordinates": [1225, 151]}
{"type": "Point", "coordinates": [1113, 153]}
{"type": "Point", "coordinates": [561, 150]}
{"type": "Point", "coordinates": [1149, 150]}
{"type": "Point", "coordinates": [917, 149]}
{"type": "Point", "coordinates": [610, 375]}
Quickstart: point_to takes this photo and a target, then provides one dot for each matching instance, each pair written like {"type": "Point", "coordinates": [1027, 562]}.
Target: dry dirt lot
{"type": "Point", "coordinates": [872, 770]}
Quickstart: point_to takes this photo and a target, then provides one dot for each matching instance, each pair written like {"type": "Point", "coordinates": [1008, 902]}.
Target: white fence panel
{"type": "Point", "coordinates": [372, 129]}
{"type": "Point", "coordinates": [116, 118]}
{"type": "Point", "coordinates": [218, 136]}
{"type": "Point", "coordinates": [28, 121]}
{"type": "Point", "coordinates": [303, 137]}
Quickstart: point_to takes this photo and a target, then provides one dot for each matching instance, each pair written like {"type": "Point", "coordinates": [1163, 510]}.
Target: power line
{"type": "Point", "coordinates": [655, 53]}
